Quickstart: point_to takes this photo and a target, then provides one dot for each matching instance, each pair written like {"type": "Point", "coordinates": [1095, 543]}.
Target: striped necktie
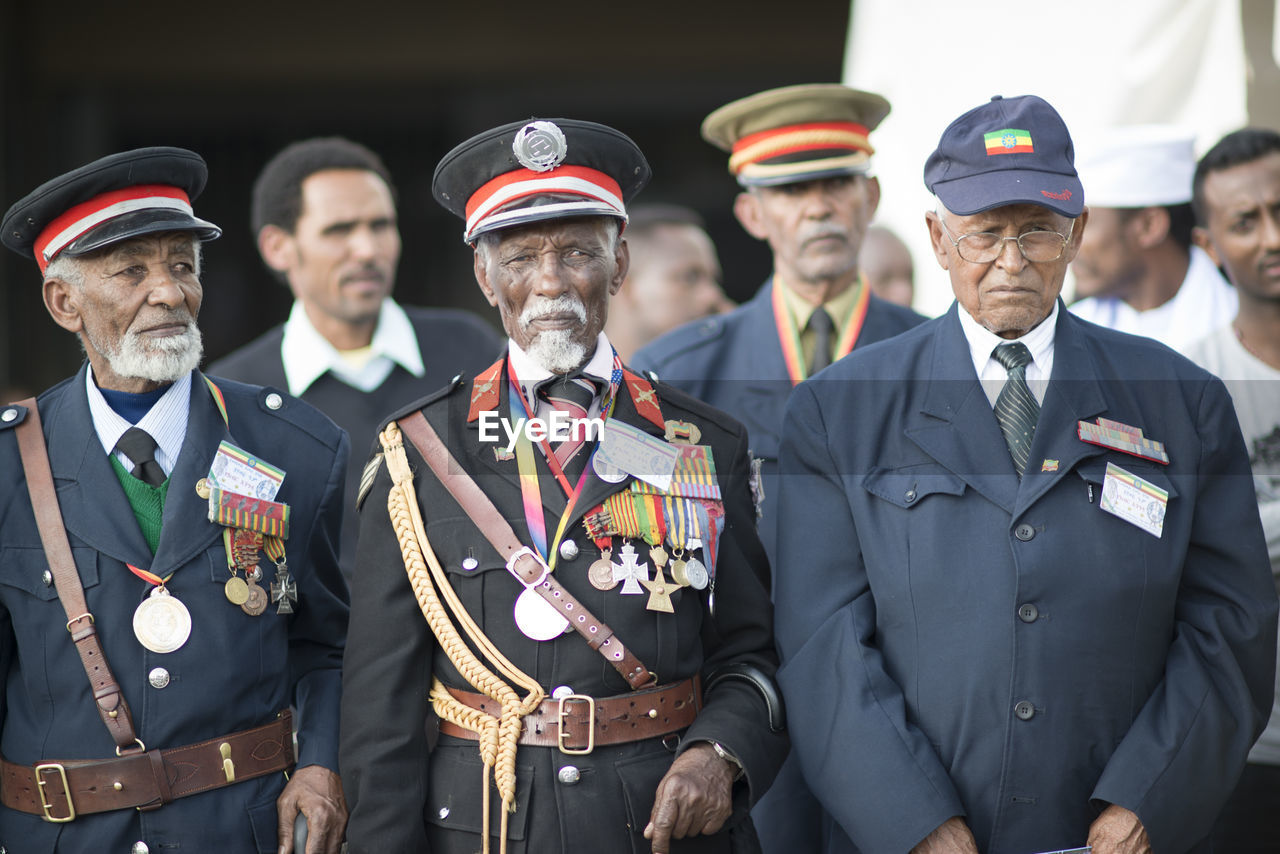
{"type": "Point", "coordinates": [1016, 407]}
{"type": "Point", "coordinates": [572, 395]}
{"type": "Point", "coordinates": [140, 448]}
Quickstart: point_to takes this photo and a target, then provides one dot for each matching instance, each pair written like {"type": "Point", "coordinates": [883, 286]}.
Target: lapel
{"type": "Point", "coordinates": [1074, 393]}
{"type": "Point", "coordinates": [763, 361]}
{"type": "Point", "coordinates": [186, 530]}
{"type": "Point", "coordinates": [93, 504]}
{"type": "Point", "coordinates": [956, 425]}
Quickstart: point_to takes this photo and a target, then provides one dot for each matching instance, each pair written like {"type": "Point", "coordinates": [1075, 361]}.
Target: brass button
{"type": "Point", "coordinates": [202, 488]}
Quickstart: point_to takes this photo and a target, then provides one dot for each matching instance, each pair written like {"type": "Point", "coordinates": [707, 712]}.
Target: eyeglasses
{"type": "Point", "coordinates": [983, 247]}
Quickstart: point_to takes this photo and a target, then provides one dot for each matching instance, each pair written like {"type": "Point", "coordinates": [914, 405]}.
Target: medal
{"type": "Point", "coordinates": [161, 623]}
{"type": "Point", "coordinates": [658, 555]}
{"type": "Point", "coordinates": [630, 572]}
{"type": "Point", "coordinates": [284, 590]}
{"type": "Point", "coordinates": [537, 618]}
{"type": "Point", "coordinates": [256, 601]}
{"type": "Point", "coordinates": [600, 573]}
{"type": "Point", "coordinates": [659, 594]}
{"type": "Point", "coordinates": [236, 590]}
{"type": "Point", "coordinates": [696, 575]}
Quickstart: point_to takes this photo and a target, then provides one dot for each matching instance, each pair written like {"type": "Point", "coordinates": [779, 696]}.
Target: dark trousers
{"type": "Point", "coordinates": [1250, 822]}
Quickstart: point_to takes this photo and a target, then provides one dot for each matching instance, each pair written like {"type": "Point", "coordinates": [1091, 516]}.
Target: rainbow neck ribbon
{"type": "Point", "coordinates": [530, 488]}
{"type": "Point", "coordinates": [789, 334]}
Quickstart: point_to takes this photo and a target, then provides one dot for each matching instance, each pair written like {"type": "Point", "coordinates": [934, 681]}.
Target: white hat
{"type": "Point", "coordinates": [1137, 166]}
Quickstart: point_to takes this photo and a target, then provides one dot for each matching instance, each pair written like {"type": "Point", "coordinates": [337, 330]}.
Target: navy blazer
{"type": "Point", "coordinates": [734, 362]}
{"type": "Point", "coordinates": [1004, 650]}
{"type": "Point", "coordinates": [235, 671]}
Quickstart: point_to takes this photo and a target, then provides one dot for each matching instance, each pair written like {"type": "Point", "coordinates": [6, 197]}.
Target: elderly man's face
{"type": "Point", "coordinates": [815, 228]}
{"type": "Point", "coordinates": [135, 311]}
{"type": "Point", "coordinates": [1009, 295]}
{"type": "Point", "coordinates": [551, 282]}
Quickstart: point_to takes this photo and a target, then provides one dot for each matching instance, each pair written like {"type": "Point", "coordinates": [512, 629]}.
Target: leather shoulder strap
{"type": "Point", "coordinates": [521, 561]}
{"type": "Point", "coordinates": [44, 504]}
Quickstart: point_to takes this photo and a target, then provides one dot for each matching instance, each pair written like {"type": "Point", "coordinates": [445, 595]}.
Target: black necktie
{"type": "Point", "coordinates": [139, 447]}
{"type": "Point", "coordinates": [572, 395]}
{"type": "Point", "coordinates": [822, 326]}
{"type": "Point", "coordinates": [1016, 407]}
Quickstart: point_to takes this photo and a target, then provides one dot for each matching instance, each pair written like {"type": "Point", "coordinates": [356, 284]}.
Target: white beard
{"type": "Point", "coordinates": [161, 360]}
{"type": "Point", "coordinates": [555, 349]}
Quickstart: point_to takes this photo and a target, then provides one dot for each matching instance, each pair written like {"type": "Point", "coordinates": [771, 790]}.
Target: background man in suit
{"type": "Point", "coordinates": [1237, 201]}
{"type": "Point", "coordinates": [808, 194]}
{"type": "Point", "coordinates": [1046, 630]}
{"type": "Point", "coordinates": [324, 212]}
{"type": "Point", "coordinates": [589, 765]}
{"type": "Point", "coordinates": [139, 443]}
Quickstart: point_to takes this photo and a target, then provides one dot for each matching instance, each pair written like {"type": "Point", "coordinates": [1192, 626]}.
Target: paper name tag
{"type": "Point", "coordinates": [1134, 500]}
{"type": "Point", "coordinates": [635, 452]}
{"type": "Point", "coordinates": [236, 470]}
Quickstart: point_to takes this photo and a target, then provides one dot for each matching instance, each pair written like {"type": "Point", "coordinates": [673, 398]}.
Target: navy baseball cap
{"type": "Point", "coordinates": [1008, 151]}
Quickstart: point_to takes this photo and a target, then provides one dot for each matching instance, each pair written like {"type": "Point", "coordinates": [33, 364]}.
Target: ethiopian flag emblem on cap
{"type": "Point", "coordinates": [1008, 141]}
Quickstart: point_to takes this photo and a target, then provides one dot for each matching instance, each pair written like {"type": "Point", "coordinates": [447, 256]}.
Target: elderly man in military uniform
{"type": "Point", "coordinates": [586, 612]}
{"type": "Point", "coordinates": [803, 158]}
{"type": "Point", "coordinates": [169, 584]}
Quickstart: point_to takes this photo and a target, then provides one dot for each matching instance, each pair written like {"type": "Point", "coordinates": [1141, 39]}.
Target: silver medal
{"type": "Point", "coordinates": [162, 623]}
{"type": "Point", "coordinates": [696, 573]}
{"type": "Point", "coordinates": [606, 471]}
{"type": "Point", "coordinates": [537, 618]}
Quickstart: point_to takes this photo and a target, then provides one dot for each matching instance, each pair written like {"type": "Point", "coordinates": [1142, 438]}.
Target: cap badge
{"type": "Point", "coordinates": [1008, 141]}
{"type": "Point", "coordinates": [540, 146]}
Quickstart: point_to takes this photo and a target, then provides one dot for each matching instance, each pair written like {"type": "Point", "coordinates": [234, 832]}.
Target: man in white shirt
{"type": "Point", "coordinates": [1137, 268]}
{"type": "Point", "coordinates": [1237, 200]}
{"type": "Point", "coordinates": [324, 211]}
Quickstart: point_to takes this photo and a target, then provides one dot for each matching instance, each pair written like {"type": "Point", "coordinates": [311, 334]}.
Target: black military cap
{"type": "Point", "coordinates": [539, 169]}
{"type": "Point", "coordinates": [144, 191]}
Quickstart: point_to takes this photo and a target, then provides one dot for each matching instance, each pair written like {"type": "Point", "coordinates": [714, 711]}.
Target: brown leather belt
{"type": "Point", "coordinates": [60, 790]}
{"type": "Point", "coordinates": [577, 723]}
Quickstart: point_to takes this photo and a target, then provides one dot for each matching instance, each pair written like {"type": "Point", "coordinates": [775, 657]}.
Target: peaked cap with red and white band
{"type": "Point", "coordinates": [797, 133]}
{"type": "Point", "coordinates": [539, 169]}
{"type": "Point", "coordinates": [115, 198]}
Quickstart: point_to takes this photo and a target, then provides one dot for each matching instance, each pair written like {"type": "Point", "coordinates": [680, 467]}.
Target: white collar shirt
{"type": "Point", "coordinates": [530, 374]}
{"type": "Point", "coordinates": [166, 421]}
{"type": "Point", "coordinates": [992, 374]}
{"type": "Point", "coordinates": [307, 355]}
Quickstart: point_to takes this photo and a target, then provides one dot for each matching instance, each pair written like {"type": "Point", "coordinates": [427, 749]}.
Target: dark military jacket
{"type": "Point", "coordinates": [404, 799]}
{"type": "Point", "coordinates": [234, 672]}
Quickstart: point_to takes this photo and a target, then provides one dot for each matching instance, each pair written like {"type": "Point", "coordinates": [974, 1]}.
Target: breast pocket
{"type": "Point", "coordinates": [27, 570]}
{"type": "Point", "coordinates": [911, 488]}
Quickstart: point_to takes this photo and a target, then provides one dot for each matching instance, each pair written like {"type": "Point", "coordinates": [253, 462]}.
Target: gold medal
{"type": "Point", "coordinates": [161, 623]}
{"type": "Point", "coordinates": [600, 573]}
{"type": "Point", "coordinates": [256, 600]}
{"type": "Point", "coordinates": [236, 590]}
{"type": "Point", "coordinates": [660, 591]}
{"type": "Point", "coordinates": [678, 572]}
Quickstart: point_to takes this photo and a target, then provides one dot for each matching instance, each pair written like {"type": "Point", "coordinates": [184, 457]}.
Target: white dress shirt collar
{"type": "Point", "coordinates": [166, 421]}
{"type": "Point", "coordinates": [531, 374]}
{"type": "Point", "coordinates": [992, 374]}
{"type": "Point", "coordinates": [307, 355]}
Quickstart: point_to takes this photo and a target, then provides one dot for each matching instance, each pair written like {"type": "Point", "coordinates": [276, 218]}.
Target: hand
{"type": "Point", "coordinates": [1118, 831]}
{"type": "Point", "coordinates": [316, 792]}
{"type": "Point", "coordinates": [695, 796]}
{"type": "Point", "coordinates": [951, 837]}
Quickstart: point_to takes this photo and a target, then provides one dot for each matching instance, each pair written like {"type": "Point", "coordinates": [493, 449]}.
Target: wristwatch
{"type": "Point", "coordinates": [730, 758]}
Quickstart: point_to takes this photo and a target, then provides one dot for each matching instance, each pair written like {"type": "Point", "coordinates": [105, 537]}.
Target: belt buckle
{"type": "Point", "coordinates": [561, 735]}
{"type": "Point", "coordinates": [66, 789]}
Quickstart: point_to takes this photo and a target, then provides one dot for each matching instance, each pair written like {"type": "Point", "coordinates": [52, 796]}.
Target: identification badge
{"type": "Point", "coordinates": [1134, 500]}
{"type": "Point", "coordinates": [637, 453]}
{"type": "Point", "coordinates": [238, 471]}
